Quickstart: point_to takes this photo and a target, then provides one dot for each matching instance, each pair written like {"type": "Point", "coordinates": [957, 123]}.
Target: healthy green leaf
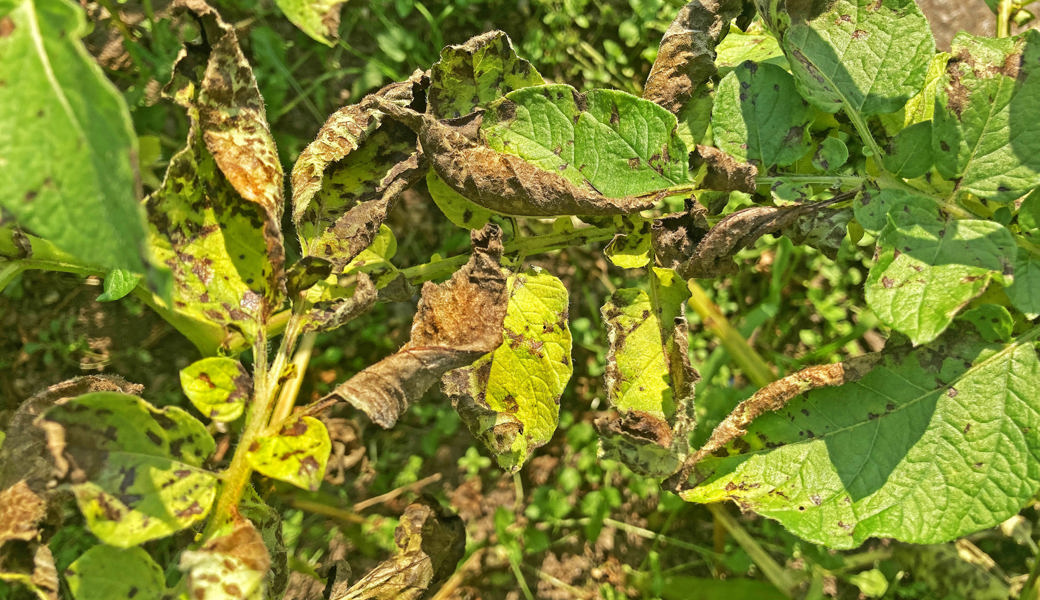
{"type": "Point", "coordinates": [1024, 290]}
{"type": "Point", "coordinates": [218, 386]}
{"type": "Point", "coordinates": [649, 380]}
{"type": "Point", "coordinates": [993, 322]}
{"type": "Point", "coordinates": [298, 454]}
{"type": "Point", "coordinates": [317, 18]}
{"type": "Point", "coordinates": [135, 470]}
{"type": "Point", "coordinates": [909, 154]}
{"type": "Point", "coordinates": [510, 399]}
{"type": "Point", "coordinates": [67, 149]}
{"type": "Point", "coordinates": [830, 155]}
{"type": "Point", "coordinates": [873, 206]}
{"type": "Point", "coordinates": [118, 283]}
{"type": "Point", "coordinates": [106, 572]}
{"type": "Point", "coordinates": [934, 443]}
{"type": "Point", "coordinates": [759, 117]}
{"type": "Point", "coordinates": [618, 144]}
{"type": "Point", "coordinates": [985, 131]}
{"type": "Point", "coordinates": [756, 46]}
{"type": "Point", "coordinates": [471, 75]}
{"type": "Point", "coordinates": [928, 269]}
{"type": "Point", "coordinates": [867, 56]}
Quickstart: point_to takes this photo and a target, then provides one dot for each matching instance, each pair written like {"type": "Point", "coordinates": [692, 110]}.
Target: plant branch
{"type": "Point", "coordinates": [770, 568]}
{"type": "Point", "coordinates": [749, 361]}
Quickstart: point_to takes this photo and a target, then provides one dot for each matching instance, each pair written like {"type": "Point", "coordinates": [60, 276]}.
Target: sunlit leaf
{"type": "Point", "coordinates": [317, 18]}
{"type": "Point", "coordinates": [297, 454]}
{"type": "Point", "coordinates": [230, 566]}
{"type": "Point", "coordinates": [218, 386]}
{"type": "Point", "coordinates": [106, 572]}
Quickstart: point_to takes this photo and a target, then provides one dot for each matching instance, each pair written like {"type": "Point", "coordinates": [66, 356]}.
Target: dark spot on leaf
{"type": "Point", "coordinates": [887, 282]}
{"type": "Point", "coordinates": [859, 34]}
{"type": "Point", "coordinates": [194, 509]}
{"type": "Point", "coordinates": [154, 437]}
{"type": "Point", "coordinates": [952, 392]}
{"type": "Point", "coordinates": [7, 27]}
{"type": "Point", "coordinates": [815, 499]}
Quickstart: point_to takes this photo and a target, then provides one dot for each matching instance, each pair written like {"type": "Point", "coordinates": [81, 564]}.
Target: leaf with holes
{"type": "Point", "coordinates": [135, 470]}
{"type": "Point", "coordinates": [932, 444]}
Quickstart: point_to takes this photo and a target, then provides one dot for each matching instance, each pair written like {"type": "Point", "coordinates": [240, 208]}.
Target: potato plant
{"type": "Point", "coordinates": [835, 124]}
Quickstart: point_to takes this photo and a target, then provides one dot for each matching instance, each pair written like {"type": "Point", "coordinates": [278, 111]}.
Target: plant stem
{"type": "Point", "coordinates": [770, 568]}
{"type": "Point", "coordinates": [291, 389]}
{"type": "Point", "coordinates": [828, 180]}
{"type": "Point", "coordinates": [756, 369]}
{"type": "Point", "coordinates": [1004, 18]}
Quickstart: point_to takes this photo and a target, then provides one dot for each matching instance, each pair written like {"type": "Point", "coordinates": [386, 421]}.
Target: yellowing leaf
{"type": "Point", "coordinates": [298, 454]}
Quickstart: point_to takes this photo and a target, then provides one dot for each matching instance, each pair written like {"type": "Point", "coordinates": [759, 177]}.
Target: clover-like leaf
{"type": "Point", "coordinates": [759, 117]}
{"type": "Point", "coordinates": [928, 269]}
{"type": "Point", "coordinates": [218, 386]}
{"type": "Point", "coordinates": [68, 171]}
{"type": "Point", "coordinates": [510, 399]}
{"type": "Point", "coordinates": [931, 444]}
{"type": "Point", "coordinates": [471, 75]}
{"type": "Point", "coordinates": [105, 572]}
{"type": "Point", "coordinates": [985, 134]}
{"type": "Point", "coordinates": [297, 454]}
{"type": "Point", "coordinates": [230, 566]}
{"type": "Point", "coordinates": [649, 379]}
{"type": "Point", "coordinates": [135, 470]}
{"type": "Point", "coordinates": [866, 56]}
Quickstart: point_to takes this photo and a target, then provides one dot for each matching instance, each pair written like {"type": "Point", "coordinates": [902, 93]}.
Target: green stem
{"type": "Point", "coordinates": [832, 181]}
{"type": "Point", "coordinates": [770, 568]}
{"type": "Point", "coordinates": [1004, 8]}
{"type": "Point", "coordinates": [756, 369]}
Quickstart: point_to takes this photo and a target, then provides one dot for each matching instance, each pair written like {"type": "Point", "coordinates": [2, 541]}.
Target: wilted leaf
{"type": "Point", "coordinates": [317, 18]}
{"type": "Point", "coordinates": [929, 268]}
{"type": "Point", "coordinates": [20, 511]}
{"type": "Point", "coordinates": [471, 75]}
{"type": "Point", "coordinates": [723, 172]}
{"type": "Point", "coordinates": [107, 572]}
{"type": "Point", "coordinates": [230, 566]}
{"type": "Point", "coordinates": [985, 133]}
{"type": "Point", "coordinates": [932, 444]}
{"type": "Point", "coordinates": [430, 546]}
{"type": "Point", "coordinates": [866, 56]}
{"type": "Point", "coordinates": [42, 581]}
{"type": "Point", "coordinates": [216, 220]}
{"type": "Point", "coordinates": [333, 307]}
{"type": "Point", "coordinates": [456, 322]}
{"type": "Point", "coordinates": [674, 237]}
{"type": "Point", "coordinates": [686, 57]}
{"type": "Point", "coordinates": [68, 168]}
{"type": "Point", "coordinates": [510, 399]}
{"type": "Point", "coordinates": [527, 185]}
{"type": "Point", "coordinates": [298, 454]}
{"type": "Point", "coordinates": [135, 470]}
{"type": "Point", "coordinates": [340, 180]}
{"type": "Point", "coordinates": [218, 386]}
{"type": "Point", "coordinates": [759, 117]}
{"type": "Point", "coordinates": [649, 380]}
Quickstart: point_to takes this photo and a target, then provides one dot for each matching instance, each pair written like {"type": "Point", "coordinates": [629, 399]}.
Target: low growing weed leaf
{"type": "Point", "coordinates": [319, 19]}
{"type": "Point", "coordinates": [686, 56]}
{"type": "Point", "coordinates": [932, 444]}
{"type": "Point", "coordinates": [759, 117]}
{"type": "Point", "coordinates": [135, 470]}
{"type": "Point", "coordinates": [68, 167]}
{"type": "Point", "coordinates": [456, 322]}
{"type": "Point", "coordinates": [649, 379]}
{"type": "Point", "coordinates": [106, 572]}
{"type": "Point", "coordinates": [218, 386]}
{"type": "Point", "coordinates": [928, 269]}
{"type": "Point", "coordinates": [986, 133]}
{"type": "Point", "coordinates": [297, 454]}
{"type": "Point", "coordinates": [610, 141]}
{"type": "Point", "coordinates": [230, 566]}
{"type": "Point", "coordinates": [867, 56]}
{"type": "Point", "coordinates": [471, 75]}
{"type": "Point", "coordinates": [510, 399]}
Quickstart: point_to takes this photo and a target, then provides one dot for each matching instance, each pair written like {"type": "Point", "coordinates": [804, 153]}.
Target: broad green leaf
{"type": "Point", "coordinates": [993, 322]}
{"type": "Point", "coordinates": [932, 444]}
{"type": "Point", "coordinates": [510, 399]}
{"type": "Point", "coordinates": [759, 117]}
{"type": "Point", "coordinates": [631, 249]}
{"type": "Point", "coordinates": [929, 269]}
{"type": "Point", "coordinates": [873, 206]}
{"type": "Point", "coordinates": [909, 154]}
{"type": "Point", "coordinates": [922, 106]}
{"type": "Point", "coordinates": [618, 144]}
{"type": "Point", "coordinates": [471, 75]}
{"type": "Point", "coordinates": [106, 572]}
{"type": "Point", "coordinates": [67, 148]}
{"type": "Point", "coordinates": [230, 566]}
{"type": "Point", "coordinates": [649, 380]}
{"type": "Point", "coordinates": [866, 56]}
{"type": "Point", "coordinates": [218, 386]}
{"type": "Point", "coordinates": [317, 18]}
{"type": "Point", "coordinates": [986, 133]}
{"type": "Point", "coordinates": [118, 283]}
{"type": "Point", "coordinates": [1024, 290]}
{"type": "Point", "coordinates": [298, 454]}
{"type": "Point", "coordinates": [756, 46]}
{"type": "Point", "coordinates": [455, 206]}
{"type": "Point", "coordinates": [830, 155]}
{"type": "Point", "coordinates": [136, 471]}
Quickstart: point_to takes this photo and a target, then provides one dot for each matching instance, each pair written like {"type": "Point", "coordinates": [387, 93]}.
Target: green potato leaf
{"type": "Point", "coordinates": [106, 572]}
{"type": "Point", "coordinates": [298, 454]}
{"type": "Point", "coordinates": [218, 386]}
{"type": "Point", "coordinates": [135, 470]}
{"type": "Point", "coordinates": [319, 19]}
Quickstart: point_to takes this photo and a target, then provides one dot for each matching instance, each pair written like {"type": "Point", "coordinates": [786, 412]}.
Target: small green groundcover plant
{"type": "Point", "coordinates": [830, 123]}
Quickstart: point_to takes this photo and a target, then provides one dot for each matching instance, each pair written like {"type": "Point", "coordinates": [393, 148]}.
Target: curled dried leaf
{"type": "Point", "coordinates": [502, 182]}
{"type": "Point", "coordinates": [674, 238]}
{"type": "Point", "coordinates": [686, 57]}
{"type": "Point", "coordinates": [725, 173]}
{"type": "Point", "coordinates": [20, 511]}
{"type": "Point", "coordinates": [456, 322]}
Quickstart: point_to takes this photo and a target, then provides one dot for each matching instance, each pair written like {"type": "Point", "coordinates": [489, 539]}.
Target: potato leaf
{"type": "Point", "coordinates": [135, 470]}
{"type": "Point", "coordinates": [297, 454]}
{"type": "Point", "coordinates": [317, 18]}
{"type": "Point", "coordinates": [230, 566]}
{"type": "Point", "coordinates": [105, 572]}
{"type": "Point", "coordinates": [218, 386]}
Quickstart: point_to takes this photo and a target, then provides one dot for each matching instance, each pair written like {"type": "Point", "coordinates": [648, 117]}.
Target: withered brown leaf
{"type": "Point", "coordinates": [456, 322]}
